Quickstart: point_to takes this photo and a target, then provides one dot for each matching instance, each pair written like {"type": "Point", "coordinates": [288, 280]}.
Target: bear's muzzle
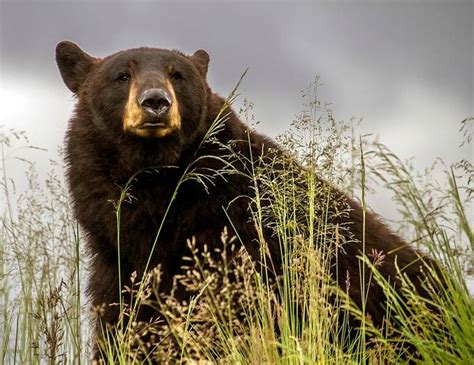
{"type": "Point", "coordinates": [153, 113]}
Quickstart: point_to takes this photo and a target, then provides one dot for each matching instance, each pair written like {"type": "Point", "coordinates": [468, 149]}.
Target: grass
{"type": "Point", "coordinates": [41, 269]}
{"type": "Point", "coordinates": [237, 313]}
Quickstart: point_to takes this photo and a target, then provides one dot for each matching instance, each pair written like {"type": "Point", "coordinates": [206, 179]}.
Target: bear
{"type": "Point", "coordinates": [148, 110]}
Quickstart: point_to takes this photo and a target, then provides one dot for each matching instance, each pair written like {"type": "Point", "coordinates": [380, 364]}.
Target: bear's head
{"type": "Point", "coordinates": [143, 94]}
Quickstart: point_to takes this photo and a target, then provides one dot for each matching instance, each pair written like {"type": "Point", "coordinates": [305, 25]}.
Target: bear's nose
{"type": "Point", "coordinates": [155, 101]}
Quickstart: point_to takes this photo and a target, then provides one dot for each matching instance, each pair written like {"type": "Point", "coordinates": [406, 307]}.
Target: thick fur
{"type": "Point", "coordinates": [101, 157]}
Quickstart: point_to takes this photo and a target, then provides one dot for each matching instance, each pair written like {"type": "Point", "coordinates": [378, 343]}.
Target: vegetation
{"type": "Point", "coordinates": [237, 314]}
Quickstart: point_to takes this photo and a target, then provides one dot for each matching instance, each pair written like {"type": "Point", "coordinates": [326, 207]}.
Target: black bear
{"type": "Point", "coordinates": [149, 107]}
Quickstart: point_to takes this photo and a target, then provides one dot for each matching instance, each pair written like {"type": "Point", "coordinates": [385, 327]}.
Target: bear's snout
{"type": "Point", "coordinates": [155, 102]}
{"type": "Point", "coordinates": [151, 111]}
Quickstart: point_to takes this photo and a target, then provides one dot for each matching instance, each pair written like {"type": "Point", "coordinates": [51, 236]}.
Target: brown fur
{"type": "Point", "coordinates": [101, 157]}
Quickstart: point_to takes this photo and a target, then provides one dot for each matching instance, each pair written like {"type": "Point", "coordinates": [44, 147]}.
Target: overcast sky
{"type": "Point", "coordinates": [405, 67]}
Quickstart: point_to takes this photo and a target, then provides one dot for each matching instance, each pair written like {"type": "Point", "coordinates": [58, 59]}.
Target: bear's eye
{"type": "Point", "coordinates": [176, 75]}
{"type": "Point", "coordinates": [123, 77]}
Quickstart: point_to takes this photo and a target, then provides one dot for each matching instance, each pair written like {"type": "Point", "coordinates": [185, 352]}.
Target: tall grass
{"type": "Point", "coordinates": [237, 312]}
{"type": "Point", "coordinates": [41, 267]}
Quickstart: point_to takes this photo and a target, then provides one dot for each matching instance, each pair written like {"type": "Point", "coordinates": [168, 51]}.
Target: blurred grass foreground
{"type": "Point", "coordinates": [44, 311]}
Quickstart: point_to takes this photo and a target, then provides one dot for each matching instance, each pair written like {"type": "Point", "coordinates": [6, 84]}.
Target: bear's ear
{"type": "Point", "coordinates": [73, 63]}
{"type": "Point", "coordinates": [201, 60]}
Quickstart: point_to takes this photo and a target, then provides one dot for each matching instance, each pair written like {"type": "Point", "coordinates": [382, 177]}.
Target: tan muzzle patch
{"type": "Point", "coordinates": [174, 116]}
{"type": "Point", "coordinates": [134, 116]}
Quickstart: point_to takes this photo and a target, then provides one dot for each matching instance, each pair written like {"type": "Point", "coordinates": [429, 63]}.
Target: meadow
{"type": "Point", "coordinates": [234, 314]}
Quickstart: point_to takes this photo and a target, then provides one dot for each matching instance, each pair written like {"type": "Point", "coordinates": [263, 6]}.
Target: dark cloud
{"type": "Point", "coordinates": [419, 41]}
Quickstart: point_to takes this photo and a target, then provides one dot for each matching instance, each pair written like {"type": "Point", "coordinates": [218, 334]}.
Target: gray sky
{"type": "Point", "coordinates": [406, 67]}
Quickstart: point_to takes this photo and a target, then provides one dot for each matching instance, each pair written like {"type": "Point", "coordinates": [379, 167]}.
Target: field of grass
{"type": "Point", "coordinates": [234, 315]}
